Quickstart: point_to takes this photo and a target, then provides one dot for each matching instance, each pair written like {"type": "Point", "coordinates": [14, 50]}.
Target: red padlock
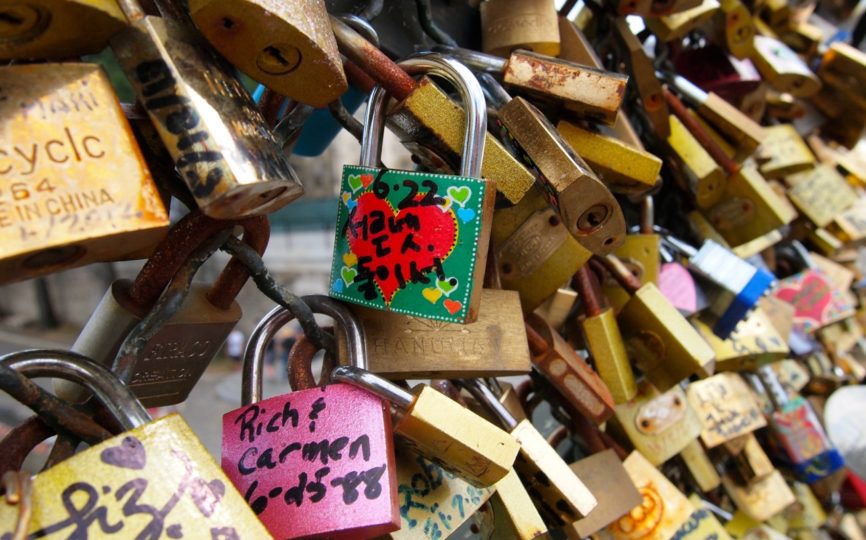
{"type": "Point", "coordinates": [318, 461]}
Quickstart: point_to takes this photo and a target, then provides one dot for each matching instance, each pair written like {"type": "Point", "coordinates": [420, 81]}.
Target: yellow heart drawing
{"type": "Point", "coordinates": [432, 294]}
{"type": "Point", "coordinates": [350, 259]}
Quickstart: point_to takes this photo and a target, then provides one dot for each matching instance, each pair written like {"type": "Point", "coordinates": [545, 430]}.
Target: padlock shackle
{"type": "Point", "coordinates": [679, 246]}
{"type": "Point", "coordinates": [264, 332]}
{"type": "Point", "coordinates": [620, 272]}
{"type": "Point", "coordinates": [487, 398]}
{"type": "Point", "coordinates": [495, 93]}
{"type": "Point", "coordinates": [471, 95]}
{"type": "Point", "coordinates": [474, 60]}
{"type": "Point", "coordinates": [647, 215]}
{"type": "Point", "coordinates": [687, 88]}
{"type": "Point", "coordinates": [371, 382]}
{"type": "Point", "coordinates": [300, 364]}
{"type": "Point", "coordinates": [108, 389]}
{"type": "Point", "coordinates": [588, 288]}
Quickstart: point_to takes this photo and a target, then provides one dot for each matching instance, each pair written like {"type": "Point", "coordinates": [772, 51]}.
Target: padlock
{"type": "Point", "coordinates": [820, 193]}
{"type": "Point", "coordinates": [561, 495]}
{"type": "Point", "coordinates": [514, 514]}
{"type": "Point", "coordinates": [586, 206]}
{"type": "Point", "coordinates": [334, 456]}
{"type": "Point", "coordinates": [588, 92]}
{"type": "Point", "coordinates": [230, 162]}
{"type": "Point", "coordinates": [442, 430]}
{"type": "Point", "coordinates": [733, 24]}
{"type": "Point", "coordinates": [173, 360]}
{"type": "Point", "coordinates": [663, 510]}
{"type": "Point", "coordinates": [700, 466]}
{"type": "Point", "coordinates": [750, 464]}
{"type": "Point", "coordinates": [783, 69]}
{"type": "Point", "coordinates": [568, 372]}
{"type": "Point", "coordinates": [427, 121]}
{"type": "Point", "coordinates": [522, 24]}
{"type": "Point", "coordinates": [677, 25]}
{"type": "Point", "coordinates": [440, 223]}
{"type": "Point", "coordinates": [64, 141]}
{"type": "Point", "coordinates": [799, 432]}
{"type": "Point", "coordinates": [641, 255]}
{"type": "Point", "coordinates": [762, 499]}
{"type": "Point", "coordinates": [555, 310]}
{"type": "Point", "coordinates": [754, 342]}
{"type": "Point", "coordinates": [403, 347]}
{"type": "Point", "coordinates": [604, 340]}
{"type": "Point", "coordinates": [289, 47]}
{"type": "Point", "coordinates": [657, 337]}
{"type": "Point", "coordinates": [659, 425]}
{"type": "Point", "coordinates": [174, 486]}
{"type": "Point", "coordinates": [706, 179]}
{"type": "Point", "coordinates": [726, 406]}
{"type": "Point", "coordinates": [534, 253]}
{"type": "Point", "coordinates": [850, 225]}
{"type": "Point", "coordinates": [433, 501]}
{"type": "Point", "coordinates": [643, 77]}
{"type": "Point", "coordinates": [844, 62]}
{"type": "Point", "coordinates": [817, 302]}
{"type": "Point", "coordinates": [702, 523]}
{"type": "Point", "coordinates": [730, 121]}
{"type": "Point", "coordinates": [57, 29]}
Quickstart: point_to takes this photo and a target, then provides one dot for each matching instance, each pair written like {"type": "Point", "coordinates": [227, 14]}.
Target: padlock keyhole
{"type": "Point", "coordinates": [279, 59]}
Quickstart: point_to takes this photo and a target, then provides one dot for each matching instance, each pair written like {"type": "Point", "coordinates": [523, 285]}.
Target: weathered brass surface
{"type": "Point", "coordinates": [519, 24]}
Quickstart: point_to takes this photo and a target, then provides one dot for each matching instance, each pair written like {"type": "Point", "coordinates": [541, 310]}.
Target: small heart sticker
{"type": "Point", "coordinates": [350, 259]}
{"type": "Point", "coordinates": [447, 286]}
{"type": "Point", "coordinates": [466, 214]}
{"type": "Point", "coordinates": [348, 275]}
{"type": "Point", "coordinates": [431, 295]}
{"type": "Point", "coordinates": [460, 194]}
{"type": "Point", "coordinates": [453, 306]}
{"type": "Point", "coordinates": [366, 180]}
{"type": "Point", "coordinates": [355, 182]}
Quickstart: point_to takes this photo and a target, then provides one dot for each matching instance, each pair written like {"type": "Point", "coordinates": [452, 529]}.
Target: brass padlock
{"type": "Point", "coordinates": [533, 250]}
{"type": "Point", "coordinates": [706, 179]}
{"type": "Point", "coordinates": [287, 46]}
{"type": "Point", "coordinates": [726, 406]}
{"type": "Point", "coordinates": [783, 69]}
{"type": "Point", "coordinates": [64, 141]}
{"type": "Point", "coordinates": [700, 466]}
{"type": "Point", "coordinates": [820, 193]}
{"type": "Point", "coordinates": [57, 29]}
{"type": "Point", "coordinates": [587, 207]}
{"type": "Point", "coordinates": [618, 164]}
{"type": "Point", "coordinates": [555, 488]}
{"type": "Point", "coordinates": [658, 338]}
{"type": "Point", "coordinates": [603, 339]}
{"type": "Point", "coordinates": [753, 343]}
{"type": "Point", "coordinates": [751, 463]}
{"type": "Point", "coordinates": [640, 253]}
{"type": "Point", "coordinates": [676, 25]}
{"type": "Point", "coordinates": [783, 152]}
{"type": "Point", "coordinates": [659, 425]}
{"type": "Point", "coordinates": [403, 347]}
{"type": "Point", "coordinates": [662, 512]}
{"type": "Point", "coordinates": [761, 499]}
{"type": "Point", "coordinates": [514, 513]}
{"type": "Point", "coordinates": [519, 24]}
{"type": "Point", "coordinates": [733, 22]}
{"type": "Point", "coordinates": [229, 161]}
{"type": "Point", "coordinates": [580, 387]}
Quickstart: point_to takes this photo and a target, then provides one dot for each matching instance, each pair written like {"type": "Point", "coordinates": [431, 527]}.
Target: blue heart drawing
{"type": "Point", "coordinates": [337, 287]}
{"type": "Point", "coordinates": [466, 214]}
{"type": "Point", "coordinates": [351, 203]}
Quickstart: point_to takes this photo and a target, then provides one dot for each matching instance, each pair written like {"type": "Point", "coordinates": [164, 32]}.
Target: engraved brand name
{"type": "Point", "coordinates": [24, 159]}
{"type": "Point", "coordinates": [174, 350]}
{"type": "Point", "coordinates": [61, 211]}
{"type": "Point", "coordinates": [463, 345]}
{"type": "Point", "coordinates": [193, 157]}
{"type": "Point", "coordinates": [61, 101]}
{"type": "Point", "coordinates": [531, 245]}
{"type": "Point", "coordinates": [514, 22]}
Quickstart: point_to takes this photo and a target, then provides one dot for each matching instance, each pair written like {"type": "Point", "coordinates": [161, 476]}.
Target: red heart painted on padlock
{"type": "Point", "coordinates": [366, 180]}
{"type": "Point", "coordinates": [810, 294]}
{"type": "Point", "coordinates": [404, 242]}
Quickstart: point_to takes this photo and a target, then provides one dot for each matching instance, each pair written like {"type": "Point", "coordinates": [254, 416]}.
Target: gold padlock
{"type": "Point", "coordinates": [618, 163]}
{"type": "Point", "coordinates": [707, 180]}
{"type": "Point", "coordinates": [519, 24]}
{"type": "Point", "coordinates": [727, 407]}
{"type": "Point", "coordinates": [734, 23]}
{"type": "Point", "coordinates": [752, 344]}
{"type": "Point", "coordinates": [57, 29]}
{"type": "Point", "coordinates": [589, 210]}
{"type": "Point", "coordinates": [514, 514]}
{"type": "Point", "coordinates": [700, 466]}
{"type": "Point", "coordinates": [64, 142]}
{"type": "Point", "coordinates": [676, 25]}
{"type": "Point", "coordinates": [658, 338]}
{"type": "Point", "coordinates": [534, 253]}
{"type": "Point", "coordinates": [762, 499]}
{"type": "Point", "coordinates": [783, 69]}
{"type": "Point", "coordinates": [783, 152]}
{"type": "Point", "coordinates": [659, 425]}
{"type": "Point", "coordinates": [820, 193]}
{"type": "Point", "coordinates": [287, 46]}
{"type": "Point", "coordinates": [230, 162]}
{"type": "Point", "coordinates": [751, 463]}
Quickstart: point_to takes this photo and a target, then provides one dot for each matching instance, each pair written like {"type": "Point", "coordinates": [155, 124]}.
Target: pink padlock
{"type": "Point", "coordinates": [318, 461]}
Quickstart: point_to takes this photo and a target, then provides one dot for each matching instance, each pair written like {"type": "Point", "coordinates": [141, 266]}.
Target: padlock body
{"type": "Point", "coordinates": [727, 406]}
{"type": "Point", "coordinates": [412, 243]}
{"type": "Point", "coordinates": [315, 462]}
{"type": "Point", "coordinates": [65, 142]}
{"type": "Point", "coordinates": [761, 499]}
{"type": "Point", "coordinates": [707, 180]}
{"type": "Point", "coordinates": [676, 25]}
{"type": "Point", "coordinates": [433, 499]}
{"type": "Point", "coordinates": [229, 161]}
{"type": "Point", "coordinates": [798, 431]}
{"type": "Point", "coordinates": [519, 24]}
{"type": "Point", "coordinates": [755, 342]}
{"type": "Point", "coordinates": [514, 513]}
{"type": "Point", "coordinates": [820, 193]}
{"type": "Point", "coordinates": [604, 341]}
{"type": "Point", "coordinates": [156, 480]}
{"type": "Point", "coordinates": [456, 439]}
{"type": "Point", "coordinates": [430, 120]}
{"type": "Point", "coordinates": [588, 209]}
{"type": "Point", "coordinates": [783, 69]}
{"type": "Point", "coordinates": [402, 347]}
{"type": "Point", "coordinates": [173, 360]}
{"type": "Point", "coordinates": [57, 29]}
{"type": "Point", "coordinates": [287, 46]}
{"type": "Point", "coordinates": [559, 493]}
